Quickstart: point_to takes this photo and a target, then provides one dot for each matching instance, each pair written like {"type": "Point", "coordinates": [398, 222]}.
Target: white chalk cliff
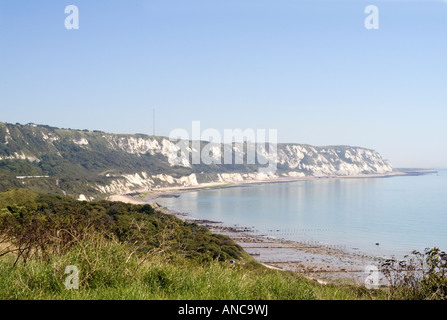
{"type": "Point", "coordinates": [116, 164]}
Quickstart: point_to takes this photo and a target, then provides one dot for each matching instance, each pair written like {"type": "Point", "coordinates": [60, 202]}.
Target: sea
{"type": "Point", "coordinates": [381, 217]}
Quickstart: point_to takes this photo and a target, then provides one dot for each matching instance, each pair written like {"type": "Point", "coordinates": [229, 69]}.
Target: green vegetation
{"type": "Point", "coordinates": [36, 225]}
{"type": "Point", "coordinates": [419, 276]}
{"type": "Point", "coordinates": [77, 169]}
{"type": "Point", "coordinates": [126, 251]}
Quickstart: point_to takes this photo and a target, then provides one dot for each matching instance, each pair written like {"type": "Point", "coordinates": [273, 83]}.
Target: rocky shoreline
{"type": "Point", "coordinates": [324, 264]}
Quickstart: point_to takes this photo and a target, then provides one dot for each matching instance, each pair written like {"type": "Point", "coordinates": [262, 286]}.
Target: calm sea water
{"type": "Point", "coordinates": [401, 214]}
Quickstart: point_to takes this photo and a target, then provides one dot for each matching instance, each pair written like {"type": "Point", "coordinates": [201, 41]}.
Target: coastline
{"type": "Point", "coordinates": [324, 264]}
{"type": "Point", "coordinates": [321, 263]}
{"type": "Point", "coordinates": [148, 195]}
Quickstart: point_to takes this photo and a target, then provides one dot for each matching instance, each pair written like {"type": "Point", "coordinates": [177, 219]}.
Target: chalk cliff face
{"type": "Point", "coordinates": [97, 163]}
{"type": "Point", "coordinates": [333, 160]}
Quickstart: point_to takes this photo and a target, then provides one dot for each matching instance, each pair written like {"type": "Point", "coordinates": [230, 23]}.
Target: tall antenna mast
{"type": "Point", "coordinates": [153, 122]}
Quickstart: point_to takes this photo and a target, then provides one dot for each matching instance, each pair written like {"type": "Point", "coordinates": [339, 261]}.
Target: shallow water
{"type": "Point", "coordinates": [401, 214]}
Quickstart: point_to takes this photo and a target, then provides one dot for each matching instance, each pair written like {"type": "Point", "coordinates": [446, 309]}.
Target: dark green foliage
{"type": "Point", "coordinates": [78, 169]}
{"type": "Point", "coordinates": [420, 276]}
{"type": "Point", "coordinates": [436, 275]}
{"type": "Point", "coordinates": [38, 224]}
{"type": "Point", "coordinates": [19, 167]}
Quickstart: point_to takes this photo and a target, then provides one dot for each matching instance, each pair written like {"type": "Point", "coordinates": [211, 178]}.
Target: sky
{"type": "Point", "coordinates": [309, 69]}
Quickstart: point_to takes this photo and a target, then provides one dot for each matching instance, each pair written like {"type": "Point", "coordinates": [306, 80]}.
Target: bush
{"type": "Point", "coordinates": [435, 277]}
{"type": "Point", "coordinates": [34, 225]}
{"type": "Point", "coordinates": [420, 276]}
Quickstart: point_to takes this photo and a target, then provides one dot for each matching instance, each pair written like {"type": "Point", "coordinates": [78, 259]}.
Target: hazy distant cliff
{"type": "Point", "coordinates": [76, 162]}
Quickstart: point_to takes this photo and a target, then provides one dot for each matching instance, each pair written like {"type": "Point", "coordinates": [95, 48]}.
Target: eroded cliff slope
{"type": "Point", "coordinates": [88, 164]}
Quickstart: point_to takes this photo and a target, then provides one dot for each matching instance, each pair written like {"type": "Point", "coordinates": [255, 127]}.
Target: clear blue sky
{"type": "Point", "coordinates": [307, 68]}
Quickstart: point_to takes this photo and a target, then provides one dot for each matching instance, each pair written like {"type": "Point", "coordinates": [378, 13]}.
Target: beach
{"type": "Point", "coordinates": [324, 264]}
{"type": "Point", "coordinates": [321, 263]}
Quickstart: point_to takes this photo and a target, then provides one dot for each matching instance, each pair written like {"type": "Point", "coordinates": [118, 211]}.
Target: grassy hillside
{"type": "Point", "coordinates": [39, 225]}
{"type": "Point", "coordinates": [73, 169]}
{"type": "Point", "coordinates": [125, 251]}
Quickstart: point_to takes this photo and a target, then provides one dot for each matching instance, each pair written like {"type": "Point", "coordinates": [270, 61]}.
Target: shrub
{"type": "Point", "coordinates": [419, 276]}
{"type": "Point", "coordinates": [33, 225]}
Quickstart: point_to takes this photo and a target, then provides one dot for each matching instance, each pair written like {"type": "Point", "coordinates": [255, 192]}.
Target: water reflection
{"type": "Point", "coordinates": [400, 213]}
